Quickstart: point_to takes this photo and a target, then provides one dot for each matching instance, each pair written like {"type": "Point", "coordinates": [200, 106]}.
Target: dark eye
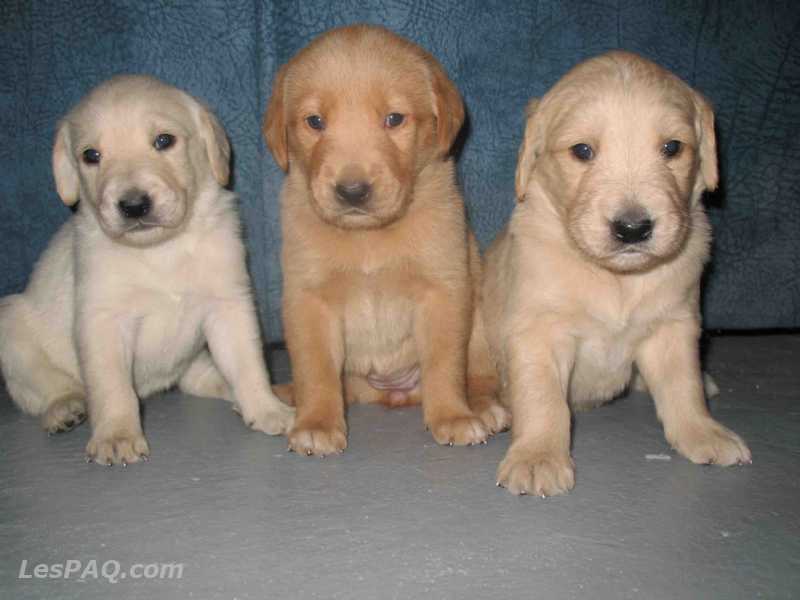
{"type": "Point", "coordinates": [394, 120]}
{"type": "Point", "coordinates": [315, 122]}
{"type": "Point", "coordinates": [91, 156]}
{"type": "Point", "coordinates": [163, 141]}
{"type": "Point", "coordinates": [671, 149]}
{"type": "Point", "coordinates": [582, 152]}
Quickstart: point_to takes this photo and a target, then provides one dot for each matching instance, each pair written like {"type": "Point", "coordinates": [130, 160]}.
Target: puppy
{"type": "Point", "coordinates": [380, 269]}
{"type": "Point", "coordinates": [145, 286]}
{"type": "Point", "coordinates": [599, 268]}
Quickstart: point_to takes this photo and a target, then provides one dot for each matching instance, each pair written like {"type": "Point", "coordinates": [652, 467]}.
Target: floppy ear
{"type": "Point", "coordinates": [704, 128]}
{"type": "Point", "coordinates": [65, 169]}
{"type": "Point", "coordinates": [447, 107]}
{"type": "Point", "coordinates": [216, 141]}
{"type": "Point", "coordinates": [529, 150]}
{"type": "Point", "coordinates": [274, 125]}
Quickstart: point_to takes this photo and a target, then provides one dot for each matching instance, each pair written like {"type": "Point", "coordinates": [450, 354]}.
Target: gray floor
{"type": "Point", "coordinates": [398, 517]}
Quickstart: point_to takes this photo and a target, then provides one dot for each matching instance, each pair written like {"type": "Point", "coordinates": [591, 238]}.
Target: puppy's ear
{"type": "Point", "coordinates": [707, 141]}
{"type": "Point", "coordinates": [447, 107]}
{"type": "Point", "coordinates": [274, 125]}
{"type": "Point", "coordinates": [65, 168]}
{"type": "Point", "coordinates": [529, 150]}
{"type": "Point", "coordinates": [215, 139]}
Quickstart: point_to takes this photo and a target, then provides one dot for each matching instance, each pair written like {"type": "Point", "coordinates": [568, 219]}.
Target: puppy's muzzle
{"type": "Point", "coordinates": [632, 227]}
{"type": "Point", "coordinates": [353, 193]}
{"type": "Point", "coordinates": [135, 204]}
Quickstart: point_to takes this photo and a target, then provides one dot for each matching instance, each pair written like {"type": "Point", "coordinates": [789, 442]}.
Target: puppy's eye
{"type": "Point", "coordinates": [671, 149]}
{"type": "Point", "coordinates": [582, 152]}
{"type": "Point", "coordinates": [393, 120]}
{"type": "Point", "coordinates": [91, 156]}
{"type": "Point", "coordinates": [315, 122]}
{"type": "Point", "coordinates": [163, 141]}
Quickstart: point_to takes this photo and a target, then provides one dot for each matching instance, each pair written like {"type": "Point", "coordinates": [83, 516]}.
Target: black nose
{"type": "Point", "coordinates": [631, 229]}
{"type": "Point", "coordinates": [134, 204]}
{"type": "Point", "coordinates": [354, 193]}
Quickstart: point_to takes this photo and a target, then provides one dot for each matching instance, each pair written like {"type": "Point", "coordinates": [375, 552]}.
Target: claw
{"type": "Point", "coordinates": [124, 463]}
{"type": "Point", "coordinates": [309, 452]}
{"type": "Point", "coordinates": [109, 463]}
{"type": "Point", "coordinates": [89, 460]}
{"type": "Point", "coordinates": [290, 449]}
{"type": "Point", "coordinates": [144, 457]}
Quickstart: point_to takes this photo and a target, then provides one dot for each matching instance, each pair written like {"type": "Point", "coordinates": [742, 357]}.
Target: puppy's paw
{"type": "Point", "coordinates": [459, 430]}
{"type": "Point", "coordinates": [495, 416]}
{"type": "Point", "coordinates": [273, 418]}
{"type": "Point", "coordinates": [317, 440]}
{"type": "Point", "coordinates": [64, 414]}
{"type": "Point", "coordinates": [708, 442]}
{"type": "Point", "coordinates": [523, 471]}
{"type": "Point", "coordinates": [117, 447]}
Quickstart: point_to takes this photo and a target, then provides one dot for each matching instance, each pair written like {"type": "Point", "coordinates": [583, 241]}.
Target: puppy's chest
{"type": "Point", "coordinates": [615, 326]}
{"type": "Point", "coordinates": [378, 321]}
{"type": "Point", "coordinates": [169, 327]}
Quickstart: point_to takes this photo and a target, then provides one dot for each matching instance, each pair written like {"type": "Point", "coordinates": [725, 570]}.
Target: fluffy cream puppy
{"type": "Point", "coordinates": [145, 286]}
{"type": "Point", "coordinates": [599, 268]}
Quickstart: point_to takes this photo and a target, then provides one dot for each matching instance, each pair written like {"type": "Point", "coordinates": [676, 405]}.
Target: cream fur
{"type": "Point", "coordinates": [116, 311]}
{"type": "Point", "coordinates": [569, 311]}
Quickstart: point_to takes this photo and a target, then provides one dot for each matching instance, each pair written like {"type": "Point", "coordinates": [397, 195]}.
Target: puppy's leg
{"type": "Point", "coordinates": [36, 385]}
{"type": "Point", "coordinates": [538, 461]}
{"type": "Point", "coordinates": [669, 362]}
{"type": "Point", "coordinates": [106, 353]}
{"type": "Point", "coordinates": [440, 331]}
{"type": "Point", "coordinates": [483, 383]}
{"type": "Point", "coordinates": [709, 385]}
{"type": "Point", "coordinates": [232, 334]}
{"type": "Point", "coordinates": [316, 348]}
{"type": "Point", "coordinates": [203, 379]}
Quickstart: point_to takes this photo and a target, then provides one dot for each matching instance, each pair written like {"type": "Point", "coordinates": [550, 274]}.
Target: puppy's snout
{"type": "Point", "coordinates": [632, 227]}
{"type": "Point", "coordinates": [134, 204]}
{"type": "Point", "coordinates": [353, 193]}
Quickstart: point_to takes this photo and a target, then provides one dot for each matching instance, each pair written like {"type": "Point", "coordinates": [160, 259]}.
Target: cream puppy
{"type": "Point", "coordinates": [599, 268]}
{"type": "Point", "coordinates": [145, 286]}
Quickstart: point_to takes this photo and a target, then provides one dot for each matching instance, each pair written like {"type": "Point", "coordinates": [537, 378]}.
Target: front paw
{"type": "Point", "coordinates": [458, 430]}
{"type": "Point", "coordinates": [543, 473]}
{"type": "Point", "coordinates": [708, 442]}
{"type": "Point", "coordinates": [117, 447]}
{"type": "Point", "coordinates": [273, 419]}
{"type": "Point", "coordinates": [317, 440]}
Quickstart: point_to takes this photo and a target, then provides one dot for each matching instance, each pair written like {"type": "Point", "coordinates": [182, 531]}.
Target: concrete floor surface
{"type": "Point", "coordinates": [397, 516]}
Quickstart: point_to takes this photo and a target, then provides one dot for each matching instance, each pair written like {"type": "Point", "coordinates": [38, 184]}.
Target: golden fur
{"type": "Point", "coordinates": [569, 308]}
{"type": "Point", "coordinates": [379, 299]}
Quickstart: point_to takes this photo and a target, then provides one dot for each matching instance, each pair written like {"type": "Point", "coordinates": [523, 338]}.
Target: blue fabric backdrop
{"type": "Point", "coordinates": [744, 56]}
